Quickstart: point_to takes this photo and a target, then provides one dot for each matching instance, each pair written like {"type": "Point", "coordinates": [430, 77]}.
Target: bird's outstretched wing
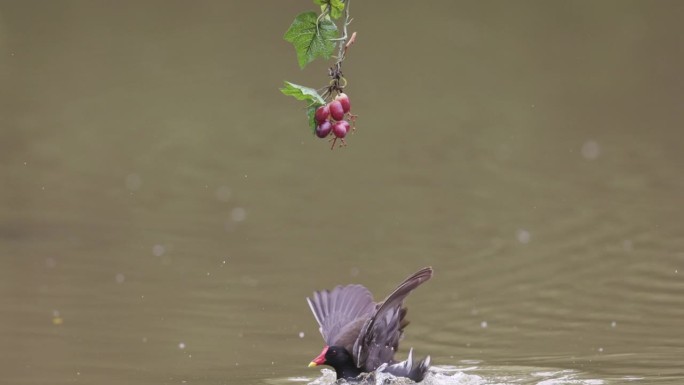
{"type": "Point", "coordinates": [379, 337]}
{"type": "Point", "coordinates": [341, 313]}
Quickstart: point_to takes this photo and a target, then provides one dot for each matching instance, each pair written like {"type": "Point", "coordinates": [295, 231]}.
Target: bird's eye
{"type": "Point", "coordinates": [333, 352]}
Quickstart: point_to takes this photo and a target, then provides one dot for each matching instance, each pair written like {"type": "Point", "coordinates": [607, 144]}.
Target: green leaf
{"type": "Point", "coordinates": [311, 37]}
{"type": "Point", "coordinates": [336, 7]}
{"type": "Point", "coordinates": [311, 96]}
{"type": "Point", "coordinates": [302, 93]}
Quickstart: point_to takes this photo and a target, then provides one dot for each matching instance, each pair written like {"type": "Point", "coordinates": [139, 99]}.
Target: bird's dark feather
{"type": "Point", "coordinates": [379, 338]}
{"type": "Point", "coordinates": [341, 313]}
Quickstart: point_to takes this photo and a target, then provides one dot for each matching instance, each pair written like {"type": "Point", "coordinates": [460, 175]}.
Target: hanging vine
{"type": "Point", "coordinates": [316, 35]}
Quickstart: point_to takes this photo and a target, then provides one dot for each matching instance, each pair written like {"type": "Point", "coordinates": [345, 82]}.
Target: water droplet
{"type": "Point", "coordinates": [158, 250]}
{"type": "Point", "coordinates": [301, 334]}
{"type": "Point", "coordinates": [590, 150]}
{"type": "Point", "coordinates": [56, 318]}
{"type": "Point", "coordinates": [483, 324]}
{"type": "Point", "coordinates": [238, 214]}
{"type": "Point", "coordinates": [181, 345]}
{"type": "Point", "coordinates": [133, 182]}
{"type": "Point", "coordinates": [613, 324]}
{"type": "Point", "coordinates": [523, 236]}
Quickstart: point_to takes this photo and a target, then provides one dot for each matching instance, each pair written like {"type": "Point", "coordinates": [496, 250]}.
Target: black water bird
{"type": "Point", "coordinates": [361, 336]}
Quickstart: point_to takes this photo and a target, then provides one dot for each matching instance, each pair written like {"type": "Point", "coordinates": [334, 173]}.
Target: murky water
{"type": "Point", "coordinates": [165, 211]}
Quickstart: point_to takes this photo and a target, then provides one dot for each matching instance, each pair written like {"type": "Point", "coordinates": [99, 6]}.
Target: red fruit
{"type": "Point", "coordinates": [339, 129]}
{"type": "Point", "coordinates": [344, 100]}
{"type": "Point", "coordinates": [323, 129]}
{"type": "Point", "coordinates": [322, 114]}
{"type": "Point", "coordinates": [344, 124]}
{"type": "Point", "coordinates": [336, 110]}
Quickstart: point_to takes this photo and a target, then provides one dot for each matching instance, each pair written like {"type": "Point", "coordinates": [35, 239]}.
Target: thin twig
{"type": "Point", "coordinates": [320, 17]}
{"type": "Point", "coordinates": [343, 40]}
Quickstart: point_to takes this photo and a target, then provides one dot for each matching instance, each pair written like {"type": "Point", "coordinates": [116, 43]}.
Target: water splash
{"type": "Point", "coordinates": [467, 374]}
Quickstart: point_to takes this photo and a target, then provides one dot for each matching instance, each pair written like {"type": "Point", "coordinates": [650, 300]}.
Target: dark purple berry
{"type": "Point", "coordinates": [344, 100]}
{"type": "Point", "coordinates": [322, 114]}
{"type": "Point", "coordinates": [323, 129]}
{"type": "Point", "coordinates": [336, 110]}
{"type": "Point", "coordinates": [340, 129]}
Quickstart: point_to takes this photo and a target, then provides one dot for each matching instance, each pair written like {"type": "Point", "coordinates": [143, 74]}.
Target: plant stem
{"type": "Point", "coordinates": [342, 51]}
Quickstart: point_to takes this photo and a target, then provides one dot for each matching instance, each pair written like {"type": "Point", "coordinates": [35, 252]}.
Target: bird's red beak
{"type": "Point", "coordinates": [320, 360]}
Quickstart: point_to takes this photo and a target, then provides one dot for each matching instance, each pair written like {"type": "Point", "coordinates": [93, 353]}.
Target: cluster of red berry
{"type": "Point", "coordinates": [331, 118]}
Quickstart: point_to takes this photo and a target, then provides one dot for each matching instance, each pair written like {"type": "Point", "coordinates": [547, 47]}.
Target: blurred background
{"type": "Point", "coordinates": [165, 210]}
